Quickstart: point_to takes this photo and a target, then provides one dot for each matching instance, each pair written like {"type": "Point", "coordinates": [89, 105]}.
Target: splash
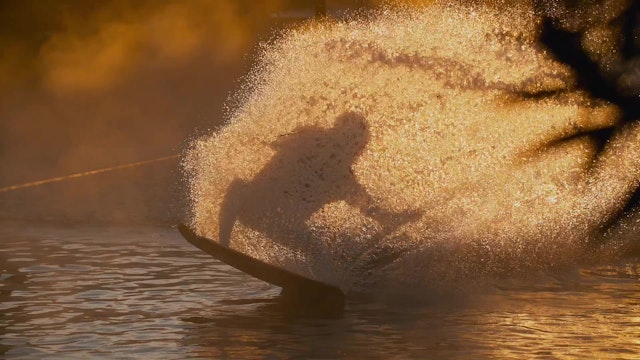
{"type": "Point", "coordinates": [416, 146]}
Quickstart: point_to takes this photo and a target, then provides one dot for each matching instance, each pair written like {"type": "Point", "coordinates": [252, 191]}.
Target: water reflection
{"type": "Point", "coordinates": [143, 292]}
{"type": "Point", "coordinates": [510, 323]}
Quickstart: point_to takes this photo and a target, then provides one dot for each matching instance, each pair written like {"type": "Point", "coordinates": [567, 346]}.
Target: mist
{"type": "Point", "coordinates": [86, 86]}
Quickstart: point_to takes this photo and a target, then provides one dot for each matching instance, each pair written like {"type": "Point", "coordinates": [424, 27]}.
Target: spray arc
{"type": "Point", "coordinates": [481, 156]}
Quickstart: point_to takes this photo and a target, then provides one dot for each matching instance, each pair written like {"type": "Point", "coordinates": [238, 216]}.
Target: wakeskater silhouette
{"type": "Point", "coordinates": [312, 167]}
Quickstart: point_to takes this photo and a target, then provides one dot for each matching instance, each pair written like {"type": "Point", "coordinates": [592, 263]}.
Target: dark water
{"type": "Point", "coordinates": [142, 292]}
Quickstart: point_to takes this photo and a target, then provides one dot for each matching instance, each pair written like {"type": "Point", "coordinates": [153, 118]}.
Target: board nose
{"type": "Point", "coordinates": [308, 295]}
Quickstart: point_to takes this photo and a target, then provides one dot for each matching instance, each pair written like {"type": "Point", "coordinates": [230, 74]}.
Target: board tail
{"type": "Point", "coordinates": [296, 289]}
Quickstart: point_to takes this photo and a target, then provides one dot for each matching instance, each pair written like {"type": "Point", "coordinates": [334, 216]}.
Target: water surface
{"type": "Point", "coordinates": [83, 291]}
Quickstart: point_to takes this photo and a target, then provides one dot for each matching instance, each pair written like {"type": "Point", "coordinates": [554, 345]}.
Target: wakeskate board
{"type": "Point", "coordinates": [295, 287]}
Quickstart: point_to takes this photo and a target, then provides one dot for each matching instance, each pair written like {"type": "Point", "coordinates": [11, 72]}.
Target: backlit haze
{"type": "Point", "coordinates": [95, 85]}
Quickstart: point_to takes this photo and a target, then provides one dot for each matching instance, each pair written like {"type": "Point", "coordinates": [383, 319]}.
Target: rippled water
{"type": "Point", "coordinates": [143, 292]}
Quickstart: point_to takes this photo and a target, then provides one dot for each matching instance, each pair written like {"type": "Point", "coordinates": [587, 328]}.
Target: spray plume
{"type": "Point", "coordinates": [418, 146]}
